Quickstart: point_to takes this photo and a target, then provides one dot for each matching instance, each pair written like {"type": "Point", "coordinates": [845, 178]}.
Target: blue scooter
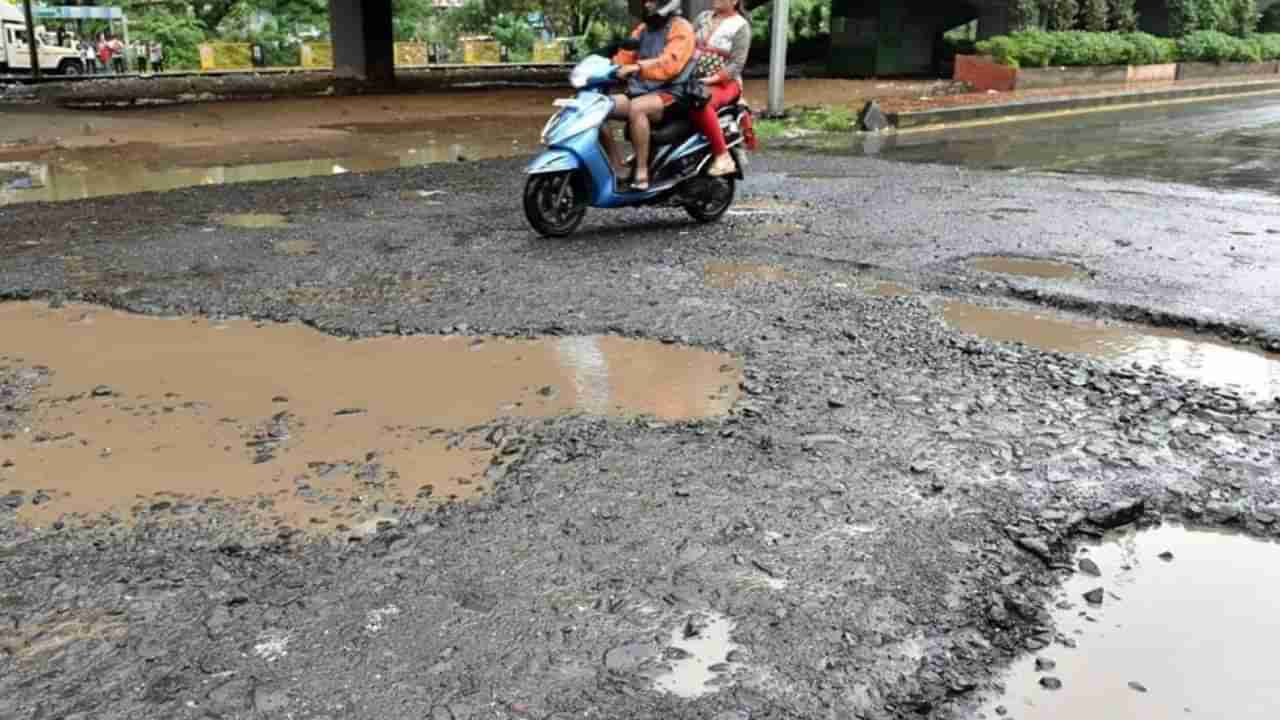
{"type": "Point", "coordinates": [574, 172]}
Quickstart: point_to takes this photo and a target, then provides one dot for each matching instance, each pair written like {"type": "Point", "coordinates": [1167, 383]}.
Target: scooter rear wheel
{"type": "Point", "coordinates": [555, 203]}
{"type": "Point", "coordinates": [709, 198]}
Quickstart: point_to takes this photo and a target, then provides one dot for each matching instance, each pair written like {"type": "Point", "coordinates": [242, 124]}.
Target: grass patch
{"type": "Point", "coordinates": [809, 119]}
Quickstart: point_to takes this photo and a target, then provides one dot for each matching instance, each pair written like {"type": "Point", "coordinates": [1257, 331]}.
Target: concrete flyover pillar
{"type": "Point", "coordinates": [891, 37]}
{"type": "Point", "coordinates": [363, 41]}
{"type": "Point", "coordinates": [994, 18]}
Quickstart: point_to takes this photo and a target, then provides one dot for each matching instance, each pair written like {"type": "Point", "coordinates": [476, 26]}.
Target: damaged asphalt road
{"type": "Point", "coordinates": [882, 516]}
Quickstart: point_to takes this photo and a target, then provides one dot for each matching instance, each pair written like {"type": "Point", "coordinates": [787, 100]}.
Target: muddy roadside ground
{"type": "Point", "coordinates": [873, 523]}
{"type": "Point", "coordinates": [50, 153]}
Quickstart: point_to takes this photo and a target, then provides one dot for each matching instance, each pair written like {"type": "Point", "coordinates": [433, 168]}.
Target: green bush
{"type": "Point", "coordinates": [1037, 48]}
{"type": "Point", "coordinates": [1147, 49]}
{"type": "Point", "coordinates": [1268, 45]}
{"type": "Point", "coordinates": [1003, 49]}
{"type": "Point", "coordinates": [1214, 46]}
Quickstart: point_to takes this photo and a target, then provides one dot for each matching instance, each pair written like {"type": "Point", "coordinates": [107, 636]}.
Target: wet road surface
{"type": "Point", "coordinates": [1231, 145]}
{"type": "Point", "coordinates": [876, 523]}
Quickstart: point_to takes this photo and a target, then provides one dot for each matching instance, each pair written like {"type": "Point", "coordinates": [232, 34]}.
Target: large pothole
{"type": "Point", "coordinates": [1028, 267]}
{"type": "Point", "coordinates": [180, 415]}
{"type": "Point", "coordinates": [1182, 354]}
{"type": "Point", "coordinates": [1160, 624]}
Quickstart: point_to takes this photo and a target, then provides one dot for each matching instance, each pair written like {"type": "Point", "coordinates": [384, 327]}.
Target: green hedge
{"type": "Point", "coordinates": [1037, 48]}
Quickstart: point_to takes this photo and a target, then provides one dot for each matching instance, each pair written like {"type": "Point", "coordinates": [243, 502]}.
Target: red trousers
{"type": "Point", "coordinates": [706, 120]}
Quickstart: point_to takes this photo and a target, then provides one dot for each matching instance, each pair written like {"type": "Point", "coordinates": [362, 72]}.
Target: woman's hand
{"type": "Point", "coordinates": [711, 81]}
{"type": "Point", "coordinates": [627, 71]}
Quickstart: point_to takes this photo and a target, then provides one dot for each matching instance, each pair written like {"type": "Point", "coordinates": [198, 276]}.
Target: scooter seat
{"type": "Point", "coordinates": [677, 127]}
{"type": "Point", "coordinates": [669, 133]}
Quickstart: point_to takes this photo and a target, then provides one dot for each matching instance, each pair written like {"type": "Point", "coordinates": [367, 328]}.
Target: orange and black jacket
{"type": "Point", "coordinates": [674, 58]}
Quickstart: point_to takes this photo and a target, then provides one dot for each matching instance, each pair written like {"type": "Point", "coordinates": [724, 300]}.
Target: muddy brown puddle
{"type": "Point", "coordinates": [304, 427]}
{"type": "Point", "coordinates": [1187, 628]}
{"type": "Point", "coordinates": [1028, 267]}
{"type": "Point", "coordinates": [731, 275]}
{"type": "Point", "coordinates": [253, 221]}
{"type": "Point", "coordinates": [78, 176]}
{"type": "Point", "coordinates": [1181, 354]}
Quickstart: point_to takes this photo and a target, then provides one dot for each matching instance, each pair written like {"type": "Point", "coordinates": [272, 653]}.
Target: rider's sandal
{"type": "Point", "coordinates": [722, 166]}
{"type": "Point", "coordinates": [640, 185]}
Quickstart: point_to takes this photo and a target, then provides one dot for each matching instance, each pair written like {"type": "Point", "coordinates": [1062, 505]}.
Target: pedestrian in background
{"type": "Point", "coordinates": [104, 55]}
{"type": "Point", "coordinates": [117, 56]}
{"type": "Point", "coordinates": [87, 59]}
{"type": "Point", "coordinates": [156, 53]}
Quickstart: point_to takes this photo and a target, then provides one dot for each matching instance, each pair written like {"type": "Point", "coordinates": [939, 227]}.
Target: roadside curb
{"type": "Point", "coordinates": [958, 115]}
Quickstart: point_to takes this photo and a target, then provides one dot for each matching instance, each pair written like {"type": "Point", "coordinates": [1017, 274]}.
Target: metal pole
{"type": "Point", "coordinates": [777, 56]}
{"type": "Point", "coordinates": [31, 40]}
{"type": "Point", "coordinates": [129, 60]}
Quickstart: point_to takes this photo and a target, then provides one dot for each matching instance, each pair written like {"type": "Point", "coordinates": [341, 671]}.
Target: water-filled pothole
{"type": "Point", "coordinates": [1028, 267]}
{"type": "Point", "coordinates": [296, 248]}
{"type": "Point", "coordinates": [890, 290]}
{"type": "Point", "coordinates": [252, 221]}
{"type": "Point", "coordinates": [1187, 627]}
{"type": "Point", "coordinates": [701, 656]}
{"type": "Point", "coordinates": [1182, 354]}
{"type": "Point", "coordinates": [173, 412]}
{"type": "Point", "coordinates": [730, 275]}
{"type": "Point", "coordinates": [764, 206]}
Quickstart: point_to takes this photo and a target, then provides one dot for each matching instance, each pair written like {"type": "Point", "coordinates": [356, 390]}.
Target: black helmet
{"type": "Point", "coordinates": [661, 12]}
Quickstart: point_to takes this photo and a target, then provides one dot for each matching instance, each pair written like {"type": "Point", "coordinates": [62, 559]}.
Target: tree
{"type": "Point", "coordinates": [413, 19]}
{"type": "Point", "coordinates": [212, 13]}
{"type": "Point", "coordinates": [1062, 14]}
{"type": "Point", "coordinates": [179, 33]}
{"type": "Point", "coordinates": [513, 33]}
{"type": "Point", "coordinates": [1093, 15]}
{"type": "Point", "coordinates": [1245, 16]}
{"type": "Point", "coordinates": [1124, 15]}
{"type": "Point", "coordinates": [571, 18]}
{"type": "Point", "coordinates": [1024, 14]}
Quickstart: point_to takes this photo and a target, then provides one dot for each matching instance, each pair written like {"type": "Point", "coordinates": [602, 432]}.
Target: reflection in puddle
{"type": "Point", "coordinates": [186, 409]}
{"type": "Point", "coordinates": [1185, 355]}
{"type": "Point", "coordinates": [1027, 267]}
{"type": "Point", "coordinates": [252, 221]}
{"type": "Point", "coordinates": [731, 275]}
{"type": "Point", "coordinates": [75, 180]}
{"type": "Point", "coordinates": [1193, 635]}
{"type": "Point", "coordinates": [701, 644]}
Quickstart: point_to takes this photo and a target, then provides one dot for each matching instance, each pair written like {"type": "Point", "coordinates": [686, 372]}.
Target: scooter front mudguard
{"type": "Point", "coordinates": [553, 161]}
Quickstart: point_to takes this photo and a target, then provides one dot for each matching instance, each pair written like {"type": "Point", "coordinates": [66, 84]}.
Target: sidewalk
{"type": "Point", "coordinates": [906, 112]}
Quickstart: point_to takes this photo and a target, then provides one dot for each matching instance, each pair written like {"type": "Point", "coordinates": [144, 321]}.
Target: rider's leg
{"type": "Point", "coordinates": [707, 121]}
{"type": "Point", "coordinates": [644, 111]}
{"type": "Point", "coordinates": [621, 109]}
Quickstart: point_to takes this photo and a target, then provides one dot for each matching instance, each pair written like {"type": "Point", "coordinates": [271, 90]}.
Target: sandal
{"type": "Point", "coordinates": [723, 165]}
{"type": "Point", "coordinates": [640, 185]}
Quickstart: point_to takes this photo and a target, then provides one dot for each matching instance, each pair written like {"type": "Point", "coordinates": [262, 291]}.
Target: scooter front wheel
{"type": "Point", "coordinates": [555, 203]}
